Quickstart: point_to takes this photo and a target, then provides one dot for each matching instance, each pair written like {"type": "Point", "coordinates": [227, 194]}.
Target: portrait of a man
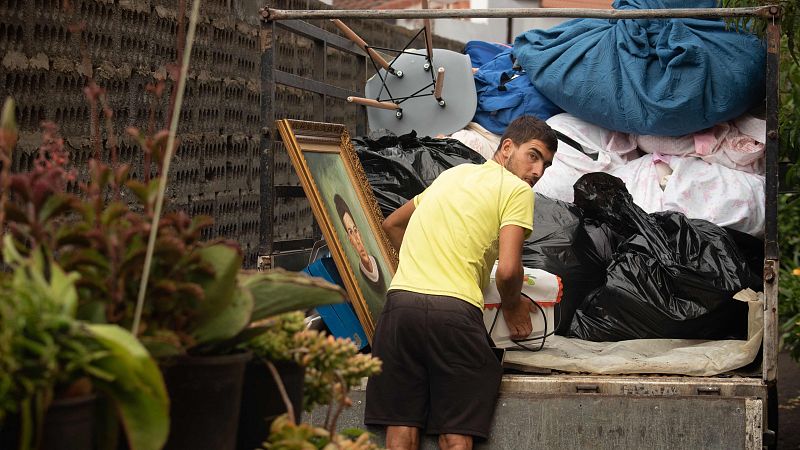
{"type": "Point", "coordinates": [346, 211]}
{"type": "Point", "coordinates": [368, 265]}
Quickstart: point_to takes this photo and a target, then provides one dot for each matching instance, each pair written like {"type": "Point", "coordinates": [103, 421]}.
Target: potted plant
{"type": "Point", "coordinates": [51, 364]}
{"type": "Point", "coordinates": [332, 366]}
{"type": "Point", "coordinates": [199, 303]}
{"type": "Point", "coordinates": [268, 294]}
{"type": "Point", "coordinates": [262, 400]}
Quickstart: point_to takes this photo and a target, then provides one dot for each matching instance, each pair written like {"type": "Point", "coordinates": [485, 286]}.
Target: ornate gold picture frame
{"type": "Point", "coordinates": [346, 210]}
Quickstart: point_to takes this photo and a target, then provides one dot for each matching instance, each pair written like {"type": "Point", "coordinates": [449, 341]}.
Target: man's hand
{"type": "Point", "coordinates": [518, 318]}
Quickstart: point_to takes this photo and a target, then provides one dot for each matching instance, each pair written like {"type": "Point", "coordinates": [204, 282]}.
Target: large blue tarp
{"type": "Point", "coordinates": [340, 318]}
{"type": "Point", "coordinates": [505, 93]}
{"type": "Point", "coordinates": [481, 52]}
{"type": "Point", "coordinates": [661, 77]}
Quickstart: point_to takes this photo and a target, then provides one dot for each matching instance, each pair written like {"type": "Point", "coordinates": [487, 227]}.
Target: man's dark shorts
{"type": "Point", "coordinates": [439, 371]}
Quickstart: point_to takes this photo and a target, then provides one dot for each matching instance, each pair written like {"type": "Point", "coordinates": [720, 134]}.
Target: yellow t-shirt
{"type": "Point", "coordinates": [451, 241]}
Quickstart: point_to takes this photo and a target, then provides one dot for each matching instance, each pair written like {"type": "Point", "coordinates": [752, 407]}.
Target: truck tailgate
{"type": "Point", "coordinates": [562, 411]}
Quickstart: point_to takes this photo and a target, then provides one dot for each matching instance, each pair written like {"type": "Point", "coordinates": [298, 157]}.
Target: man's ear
{"type": "Point", "coordinates": [506, 148]}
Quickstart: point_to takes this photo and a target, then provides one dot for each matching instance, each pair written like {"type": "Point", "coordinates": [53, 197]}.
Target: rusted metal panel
{"type": "Point", "coordinates": [633, 385]}
{"type": "Point", "coordinates": [754, 431]}
{"type": "Point", "coordinates": [272, 14]}
{"type": "Point", "coordinates": [770, 360]}
{"type": "Point", "coordinates": [597, 421]}
{"type": "Point", "coordinates": [771, 200]}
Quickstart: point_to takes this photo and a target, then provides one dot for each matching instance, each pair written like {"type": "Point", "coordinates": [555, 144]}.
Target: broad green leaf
{"type": "Point", "coordinates": [159, 348]}
{"type": "Point", "coordinates": [54, 205]}
{"type": "Point", "coordinates": [219, 291]}
{"type": "Point", "coordinates": [112, 212]}
{"type": "Point", "coordinates": [8, 121]}
{"type": "Point", "coordinates": [229, 322]}
{"type": "Point", "coordinates": [138, 388]}
{"type": "Point", "coordinates": [62, 289]}
{"type": "Point", "coordinates": [279, 291]}
{"type": "Point", "coordinates": [92, 311]}
{"type": "Point", "coordinates": [10, 253]}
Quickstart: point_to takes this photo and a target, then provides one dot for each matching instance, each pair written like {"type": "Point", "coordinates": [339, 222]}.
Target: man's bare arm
{"type": "Point", "coordinates": [395, 225]}
{"type": "Point", "coordinates": [509, 282]}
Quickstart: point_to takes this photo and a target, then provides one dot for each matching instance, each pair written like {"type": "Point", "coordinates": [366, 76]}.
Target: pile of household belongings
{"type": "Point", "coordinates": [653, 209]}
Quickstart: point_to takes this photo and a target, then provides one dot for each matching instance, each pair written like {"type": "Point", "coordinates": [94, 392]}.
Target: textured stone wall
{"type": "Point", "coordinates": [126, 45]}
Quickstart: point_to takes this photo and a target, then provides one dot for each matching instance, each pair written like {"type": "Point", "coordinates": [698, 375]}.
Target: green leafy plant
{"type": "Point", "coordinates": [278, 340]}
{"type": "Point", "coordinates": [198, 299]}
{"type": "Point", "coordinates": [332, 367]}
{"type": "Point", "coordinates": [47, 354]}
{"type": "Point", "coordinates": [286, 435]}
{"type": "Point", "coordinates": [789, 132]}
{"type": "Point", "coordinates": [177, 292]}
{"type": "Point", "coordinates": [789, 77]}
{"type": "Point", "coordinates": [789, 289]}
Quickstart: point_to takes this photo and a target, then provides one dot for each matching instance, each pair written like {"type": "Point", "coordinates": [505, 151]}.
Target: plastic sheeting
{"type": "Point", "coordinates": [665, 356]}
{"type": "Point", "coordinates": [561, 245]}
{"type": "Point", "coordinates": [400, 167]}
{"type": "Point", "coordinates": [481, 52]}
{"type": "Point", "coordinates": [669, 278]}
{"type": "Point", "coordinates": [666, 77]}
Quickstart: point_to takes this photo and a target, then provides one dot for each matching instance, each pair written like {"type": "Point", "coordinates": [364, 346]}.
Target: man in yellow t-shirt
{"type": "Point", "coordinates": [439, 371]}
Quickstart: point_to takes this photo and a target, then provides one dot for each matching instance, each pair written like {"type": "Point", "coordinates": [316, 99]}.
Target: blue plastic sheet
{"type": "Point", "coordinates": [481, 52]}
{"type": "Point", "coordinates": [657, 77]}
{"type": "Point", "coordinates": [340, 318]}
{"type": "Point", "coordinates": [505, 94]}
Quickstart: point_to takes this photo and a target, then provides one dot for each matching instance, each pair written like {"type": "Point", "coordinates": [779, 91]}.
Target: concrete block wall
{"type": "Point", "coordinates": [126, 45]}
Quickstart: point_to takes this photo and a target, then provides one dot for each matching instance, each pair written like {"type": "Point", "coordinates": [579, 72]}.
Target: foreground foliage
{"type": "Point", "coordinates": [789, 77]}
{"type": "Point", "coordinates": [789, 290]}
{"type": "Point", "coordinates": [47, 354]}
{"type": "Point", "coordinates": [332, 367]}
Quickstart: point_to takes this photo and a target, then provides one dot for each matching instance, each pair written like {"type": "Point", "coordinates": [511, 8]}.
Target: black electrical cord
{"type": "Point", "coordinates": [521, 342]}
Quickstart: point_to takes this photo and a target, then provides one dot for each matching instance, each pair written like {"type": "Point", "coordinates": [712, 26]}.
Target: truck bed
{"type": "Point", "coordinates": [560, 411]}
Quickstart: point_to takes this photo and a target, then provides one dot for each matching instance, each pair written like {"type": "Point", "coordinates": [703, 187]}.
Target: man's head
{"type": "Point", "coordinates": [350, 228]}
{"type": "Point", "coordinates": [527, 148]}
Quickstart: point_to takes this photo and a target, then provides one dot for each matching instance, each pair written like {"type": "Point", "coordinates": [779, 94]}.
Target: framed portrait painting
{"type": "Point", "coordinates": [346, 211]}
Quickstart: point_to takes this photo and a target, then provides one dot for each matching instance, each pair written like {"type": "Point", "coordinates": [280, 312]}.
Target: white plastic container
{"type": "Point", "coordinates": [542, 287]}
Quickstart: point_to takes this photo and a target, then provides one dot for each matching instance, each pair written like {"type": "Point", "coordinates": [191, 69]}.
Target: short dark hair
{"type": "Point", "coordinates": [526, 128]}
{"type": "Point", "coordinates": [341, 207]}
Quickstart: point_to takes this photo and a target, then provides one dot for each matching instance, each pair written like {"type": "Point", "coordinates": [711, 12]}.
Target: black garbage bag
{"type": "Point", "coordinates": [400, 167]}
{"type": "Point", "coordinates": [752, 248]}
{"type": "Point", "coordinates": [561, 245]}
{"type": "Point", "coordinates": [670, 277]}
